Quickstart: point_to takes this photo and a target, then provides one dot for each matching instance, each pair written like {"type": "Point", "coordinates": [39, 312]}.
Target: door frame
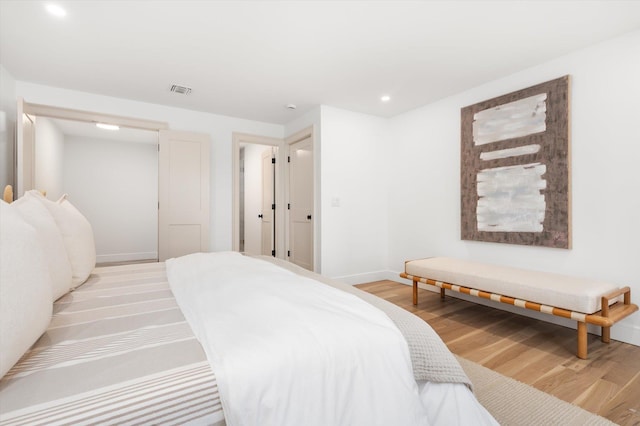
{"type": "Point", "coordinates": [308, 132]}
{"type": "Point", "coordinates": [24, 167]}
{"type": "Point", "coordinates": [268, 173]}
{"type": "Point", "coordinates": [69, 114]}
{"type": "Point", "coordinates": [281, 159]}
{"type": "Point", "coordinates": [91, 116]}
{"type": "Point", "coordinates": [50, 111]}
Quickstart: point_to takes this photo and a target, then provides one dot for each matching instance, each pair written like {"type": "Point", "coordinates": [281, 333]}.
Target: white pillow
{"type": "Point", "coordinates": [78, 238]}
{"type": "Point", "coordinates": [37, 215]}
{"type": "Point", "coordinates": [26, 303]}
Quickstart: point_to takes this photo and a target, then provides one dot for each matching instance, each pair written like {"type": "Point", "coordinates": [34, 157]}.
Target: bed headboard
{"type": "Point", "coordinates": [8, 194]}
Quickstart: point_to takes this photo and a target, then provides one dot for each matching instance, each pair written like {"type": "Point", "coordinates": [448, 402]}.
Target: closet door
{"type": "Point", "coordinates": [301, 199]}
{"type": "Point", "coordinates": [183, 208]}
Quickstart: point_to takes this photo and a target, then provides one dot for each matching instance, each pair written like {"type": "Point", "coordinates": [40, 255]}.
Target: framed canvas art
{"type": "Point", "coordinates": [515, 167]}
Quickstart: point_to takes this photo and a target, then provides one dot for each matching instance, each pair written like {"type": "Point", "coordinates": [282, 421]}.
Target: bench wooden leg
{"type": "Point", "coordinates": [582, 340]}
{"type": "Point", "coordinates": [441, 293]}
{"type": "Point", "coordinates": [415, 292]}
{"type": "Point", "coordinates": [606, 334]}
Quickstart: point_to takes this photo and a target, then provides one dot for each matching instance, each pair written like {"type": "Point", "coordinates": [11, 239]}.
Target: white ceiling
{"type": "Point", "coordinates": [250, 59]}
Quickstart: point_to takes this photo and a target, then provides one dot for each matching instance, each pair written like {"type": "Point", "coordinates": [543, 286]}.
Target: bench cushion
{"type": "Point", "coordinates": [562, 291]}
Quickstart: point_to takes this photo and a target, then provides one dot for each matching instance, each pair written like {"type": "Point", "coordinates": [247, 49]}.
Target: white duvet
{"type": "Point", "coordinates": [288, 350]}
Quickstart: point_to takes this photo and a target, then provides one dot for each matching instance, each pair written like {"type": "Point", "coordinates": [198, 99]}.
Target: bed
{"type": "Point", "coordinates": [123, 347]}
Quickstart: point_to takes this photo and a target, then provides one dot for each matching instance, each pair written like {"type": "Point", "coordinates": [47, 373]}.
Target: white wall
{"type": "Point", "coordinates": [7, 126]}
{"type": "Point", "coordinates": [115, 185]}
{"type": "Point", "coordinates": [253, 197]}
{"type": "Point", "coordinates": [424, 194]}
{"type": "Point", "coordinates": [49, 158]}
{"type": "Point", "coordinates": [354, 174]}
{"type": "Point", "coordinates": [218, 127]}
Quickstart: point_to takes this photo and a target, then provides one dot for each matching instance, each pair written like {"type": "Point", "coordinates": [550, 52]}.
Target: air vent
{"type": "Point", "coordinates": [183, 90]}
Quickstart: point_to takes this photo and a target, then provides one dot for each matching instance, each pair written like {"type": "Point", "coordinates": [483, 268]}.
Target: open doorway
{"type": "Point", "coordinates": [257, 224]}
{"type": "Point", "coordinates": [183, 178]}
{"type": "Point", "coordinates": [258, 209]}
{"type": "Point", "coordinates": [294, 205]}
{"type": "Point", "coordinates": [111, 176]}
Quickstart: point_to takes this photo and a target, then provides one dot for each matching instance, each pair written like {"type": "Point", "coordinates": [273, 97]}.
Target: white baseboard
{"type": "Point", "coordinates": [124, 257]}
{"type": "Point", "coordinates": [367, 277]}
{"type": "Point", "coordinates": [624, 331]}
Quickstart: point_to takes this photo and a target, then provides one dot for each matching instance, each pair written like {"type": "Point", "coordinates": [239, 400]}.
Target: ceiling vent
{"type": "Point", "coordinates": [183, 90]}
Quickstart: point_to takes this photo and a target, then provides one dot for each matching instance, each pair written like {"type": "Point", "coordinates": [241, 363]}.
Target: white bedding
{"type": "Point", "coordinates": [453, 404]}
{"type": "Point", "coordinates": [288, 350]}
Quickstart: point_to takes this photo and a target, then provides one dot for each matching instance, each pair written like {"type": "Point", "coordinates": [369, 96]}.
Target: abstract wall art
{"type": "Point", "coordinates": [515, 175]}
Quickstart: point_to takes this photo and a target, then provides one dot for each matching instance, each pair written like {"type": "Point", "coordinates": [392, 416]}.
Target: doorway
{"type": "Point", "coordinates": [294, 200]}
{"type": "Point", "coordinates": [258, 191]}
{"type": "Point", "coordinates": [257, 224]}
{"type": "Point", "coordinates": [182, 181]}
{"type": "Point", "coordinates": [111, 176]}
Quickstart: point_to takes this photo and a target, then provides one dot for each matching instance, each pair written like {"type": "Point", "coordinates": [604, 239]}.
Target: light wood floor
{"type": "Point", "coordinates": [535, 352]}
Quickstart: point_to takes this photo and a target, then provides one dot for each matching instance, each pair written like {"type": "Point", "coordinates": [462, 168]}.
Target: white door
{"type": "Point", "coordinates": [268, 203]}
{"type": "Point", "coordinates": [252, 198]}
{"type": "Point", "coordinates": [183, 193]}
{"type": "Point", "coordinates": [25, 151]}
{"type": "Point", "coordinates": [301, 203]}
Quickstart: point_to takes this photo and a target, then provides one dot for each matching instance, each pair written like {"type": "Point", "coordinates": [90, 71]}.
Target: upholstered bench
{"type": "Point", "coordinates": [585, 301]}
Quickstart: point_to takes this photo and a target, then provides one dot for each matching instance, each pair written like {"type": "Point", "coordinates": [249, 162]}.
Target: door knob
{"type": "Point", "coordinates": [260, 216]}
{"type": "Point", "coordinates": [308, 217]}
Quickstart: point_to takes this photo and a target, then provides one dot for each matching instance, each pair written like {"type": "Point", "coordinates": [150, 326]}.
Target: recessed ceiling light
{"type": "Point", "coordinates": [385, 98]}
{"type": "Point", "coordinates": [106, 126]}
{"type": "Point", "coordinates": [56, 10]}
